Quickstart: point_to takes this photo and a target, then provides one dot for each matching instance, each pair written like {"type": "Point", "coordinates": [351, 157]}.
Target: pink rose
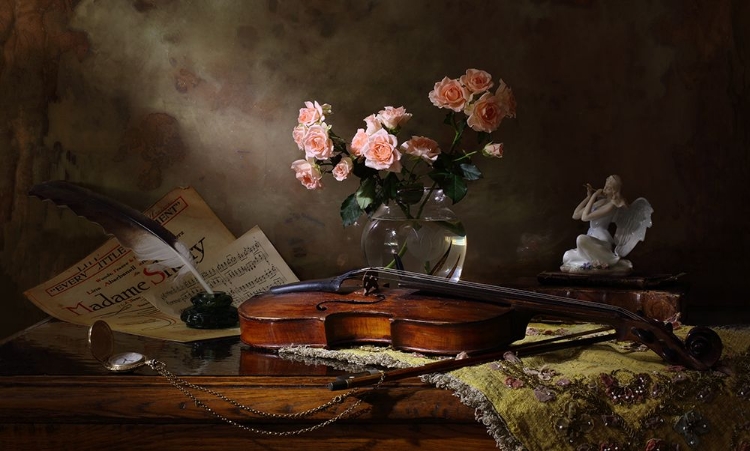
{"type": "Point", "coordinates": [308, 174]}
{"type": "Point", "coordinates": [422, 147]}
{"type": "Point", "coordinates": [381, 153]}
{"type": "Point", "coordinates": [373, 124]}
{"type": "Point", "coordinates": [358, 142]}
{"type": "Point", "coordinates": [506, 99]}
{"type": "Point", "coordinates": [485, 114]}
{"type": "Point", "coordinates": [393, 118]}
{"type": "Point", "coordinates": [312, 113]}
{"type": "Point", "coordinates": [493, 150]}
{"type": "Point", "coordinates": [449, 94]}
{"type": "Point", "coordinates": [299, 134]}
{"type": "Point", "coordinates": [317, 143]}
{"type": "Point", "coordinates": [476, 80]}
{"type": "Point", "coordinates": [342, 170]}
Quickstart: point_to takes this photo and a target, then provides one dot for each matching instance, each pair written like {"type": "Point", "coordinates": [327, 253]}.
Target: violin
{"type": "Point", "coordinates": [432, 315]}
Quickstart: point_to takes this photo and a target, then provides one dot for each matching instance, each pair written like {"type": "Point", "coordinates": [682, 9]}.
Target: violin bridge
{"type": "Point", "coordinates": [370, 284]}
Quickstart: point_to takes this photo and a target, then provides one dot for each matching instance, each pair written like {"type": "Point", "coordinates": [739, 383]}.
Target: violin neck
{"type": "Point", "coordinates": [528, 301]}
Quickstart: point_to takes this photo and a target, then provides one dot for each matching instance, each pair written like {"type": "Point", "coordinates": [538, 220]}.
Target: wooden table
{"type": "Point", "coordinates": [55, 395]}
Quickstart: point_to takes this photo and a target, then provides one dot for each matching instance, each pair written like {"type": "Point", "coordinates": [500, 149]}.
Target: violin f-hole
{"type": "Point", "coordinates": [322, 307]}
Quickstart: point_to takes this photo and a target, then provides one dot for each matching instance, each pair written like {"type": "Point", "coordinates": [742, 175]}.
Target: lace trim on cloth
{"type": "Point", "coordinates": [353, 361]}
{"type": "Point", "coordinates": [606, 397]}
{"type": "Point", "coordinates": [484, 411]}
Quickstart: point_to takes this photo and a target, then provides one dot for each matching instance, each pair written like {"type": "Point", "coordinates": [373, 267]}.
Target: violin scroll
{"type": "Point", "coordinates": [704, 344]}
{"type": "Point", "coordinates": [701, 349]}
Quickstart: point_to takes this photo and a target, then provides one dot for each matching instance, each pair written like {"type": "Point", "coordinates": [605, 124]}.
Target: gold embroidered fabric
{"type": "Point", "coordinates": [605, 397]}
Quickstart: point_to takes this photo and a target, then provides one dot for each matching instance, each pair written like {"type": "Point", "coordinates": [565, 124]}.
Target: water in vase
{"type": "Point", "coordinates": [430, 246]}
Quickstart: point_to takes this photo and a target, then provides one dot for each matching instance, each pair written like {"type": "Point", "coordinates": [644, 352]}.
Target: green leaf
{"type": "Point", "coordinates": [470, 171]}
{"type": "Point", "coordinates": [391, 184]}
{"type": "Point", "coordinates": [350, 210]}
{"type": "Point", "coordinates": [456, 190]}
{"type": "Point", "coordinates": [452, 185]}
{"type": "Point", "coordinates": [366, 193]}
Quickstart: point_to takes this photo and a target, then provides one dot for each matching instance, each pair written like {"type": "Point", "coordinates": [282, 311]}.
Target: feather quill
{"type": "Point", "coordinates": [148, 239]}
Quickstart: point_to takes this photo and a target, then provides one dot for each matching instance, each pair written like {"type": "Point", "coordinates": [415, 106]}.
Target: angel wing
{"type": "Point", "coordinates": [632, 222]}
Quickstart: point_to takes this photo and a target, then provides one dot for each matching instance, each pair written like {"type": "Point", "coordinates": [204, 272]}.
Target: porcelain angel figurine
{"type": "Point", "coordinates": [598, 251]}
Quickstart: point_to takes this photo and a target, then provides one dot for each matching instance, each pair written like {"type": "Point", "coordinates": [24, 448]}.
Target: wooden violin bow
{"type": "Point", "coordinates": [441, 366]}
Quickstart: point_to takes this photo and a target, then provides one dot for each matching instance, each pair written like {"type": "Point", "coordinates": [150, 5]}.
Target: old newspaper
{"type": "Point", "coordinates": [112, 285]}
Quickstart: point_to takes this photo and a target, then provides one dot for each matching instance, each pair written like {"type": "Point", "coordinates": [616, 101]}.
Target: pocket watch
{"type": "Point", "coordinates": [101, 343]}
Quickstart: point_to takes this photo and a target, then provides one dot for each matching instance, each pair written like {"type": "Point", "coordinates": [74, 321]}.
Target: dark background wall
{"type": "Point", "coordinates": [136, 97]}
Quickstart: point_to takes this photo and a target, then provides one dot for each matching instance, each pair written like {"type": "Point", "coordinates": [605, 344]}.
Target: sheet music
{"type": "Point", "coordinates": [248, 266]}
{"type": "Point", "coordinates": [113, 285]}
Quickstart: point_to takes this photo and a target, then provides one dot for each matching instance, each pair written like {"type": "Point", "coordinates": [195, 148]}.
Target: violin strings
{"type": "Point", "coordinates": [401, 276]}
{"type": "Point", "coordinates": [668, 346]}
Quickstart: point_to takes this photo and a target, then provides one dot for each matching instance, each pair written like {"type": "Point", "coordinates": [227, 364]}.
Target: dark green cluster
{"type": "Point", "coordinates": [210, 311]}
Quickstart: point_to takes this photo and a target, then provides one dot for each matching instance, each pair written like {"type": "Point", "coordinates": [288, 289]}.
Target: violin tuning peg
{"type": "Point", "coordinates": [670, 355]}
{"type": "Point", "coordinates": [644, 336]}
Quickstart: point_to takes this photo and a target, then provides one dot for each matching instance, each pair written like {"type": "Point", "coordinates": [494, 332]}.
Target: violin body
{"type": "Point", "coordinates": [405, 319]}
{"type": "Point", "coordinates": [428, 314]}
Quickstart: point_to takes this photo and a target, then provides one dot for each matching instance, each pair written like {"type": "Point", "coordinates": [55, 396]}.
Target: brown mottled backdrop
{"type": "Point", "coordinates": [135, 97]}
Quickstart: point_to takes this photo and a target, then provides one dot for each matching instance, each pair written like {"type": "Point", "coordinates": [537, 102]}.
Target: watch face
{"type": "Point", "coordinates": [126, 361]}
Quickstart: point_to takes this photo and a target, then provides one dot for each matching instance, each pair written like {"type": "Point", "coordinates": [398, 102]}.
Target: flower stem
{"type": "Point", "coordinates": [407, 212]}
{"type": "Point", "coordinates": [465, 156]}
{"type": "Point", "coordinates": [426, 198]}
{"type": "Point", "coordinates": [400, 254]}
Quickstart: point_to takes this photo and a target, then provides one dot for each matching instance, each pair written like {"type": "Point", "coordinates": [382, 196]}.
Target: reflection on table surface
{"type": "Point", "coordinates": [57, 348]}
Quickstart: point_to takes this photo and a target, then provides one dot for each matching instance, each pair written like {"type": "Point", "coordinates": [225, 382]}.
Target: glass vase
{"type": "Point", "coordinates": [417, 232]}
